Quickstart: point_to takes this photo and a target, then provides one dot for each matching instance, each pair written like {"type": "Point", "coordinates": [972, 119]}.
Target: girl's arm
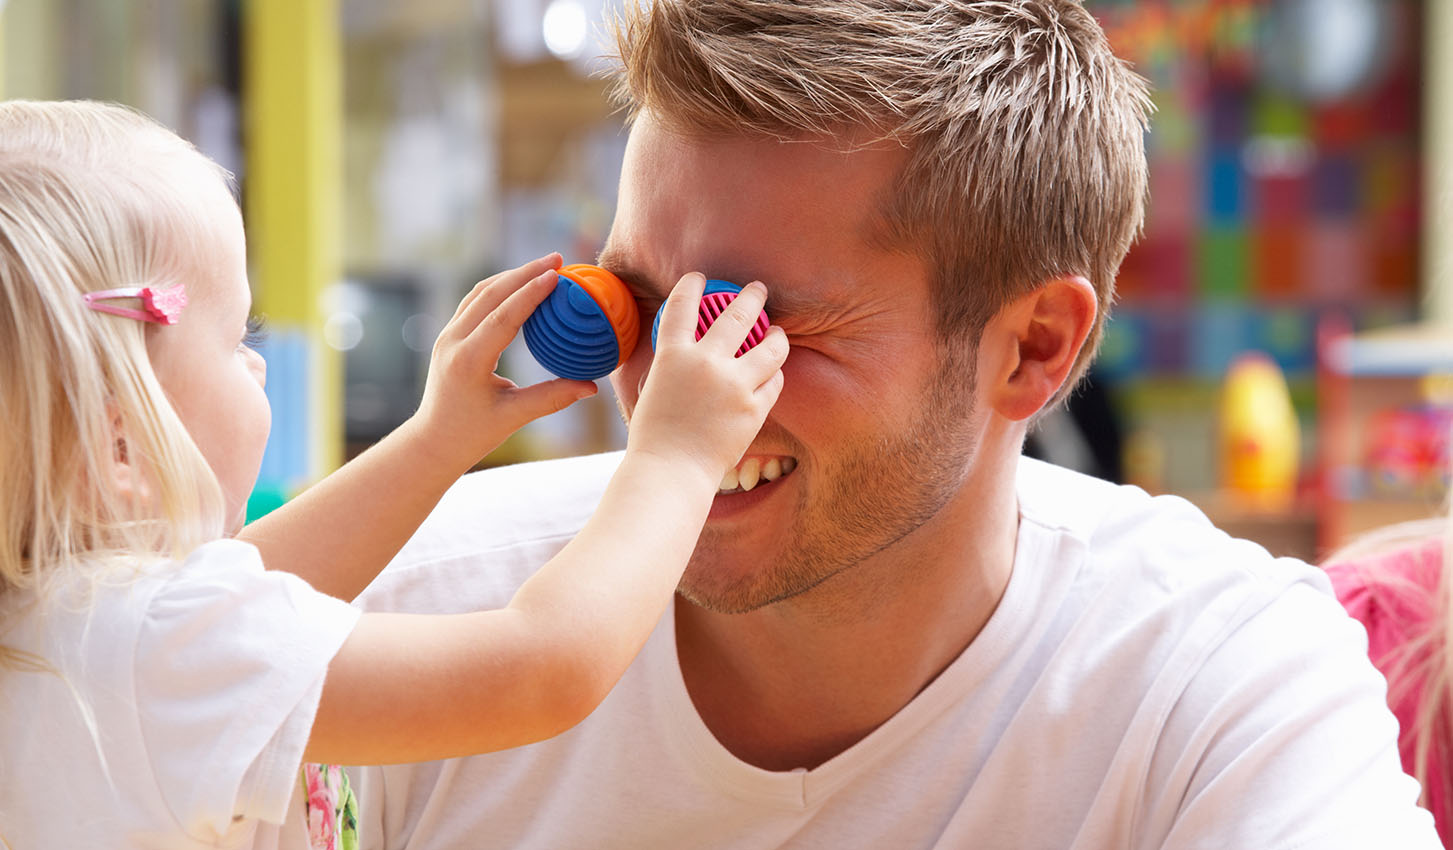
{"type": "Point", "coordinates": [340, 532]}
{"type": "Point", "coordinates": [419, 687]}
{"type": "Point", "coordinates": [410, 687]}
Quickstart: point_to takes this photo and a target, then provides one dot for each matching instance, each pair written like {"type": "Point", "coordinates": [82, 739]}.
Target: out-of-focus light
{"type": "Point", "coordinates": [1278, 156]}
{"type": "Point", "coordinates": [564, 27]}
{"type": "Point", "coordinates": [343, 331]}
{"type": "Point", "coordinates": [419, 332]}
{"type": "Point", "coordinates": [1324, 50]}
{"type": "Point", "coordinates": [346, 296]}
{"type": "Point", "coordinates": [1346, 35]}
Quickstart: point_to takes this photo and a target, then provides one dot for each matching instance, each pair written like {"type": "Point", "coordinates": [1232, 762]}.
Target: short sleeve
{"type": "Point", "coordinates": [229, 667]}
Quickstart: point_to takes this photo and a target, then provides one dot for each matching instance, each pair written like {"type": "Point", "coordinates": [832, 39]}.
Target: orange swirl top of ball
{"type": "Point", "coordinates": [614, 299]}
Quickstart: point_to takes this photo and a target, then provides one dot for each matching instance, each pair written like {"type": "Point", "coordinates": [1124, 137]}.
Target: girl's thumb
{"type": "Point", "coordinates": [551, 397]}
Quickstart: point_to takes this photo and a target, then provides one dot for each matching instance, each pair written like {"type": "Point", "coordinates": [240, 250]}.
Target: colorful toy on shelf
{"type": "Point", "coordinates": [586, 327]}
{"type": "Point", "coordinates": [714, 299]}
{"type": "Point", "coordinates": [1406, 451]}
{"type": "Point", "coordinates": [1260, 439]}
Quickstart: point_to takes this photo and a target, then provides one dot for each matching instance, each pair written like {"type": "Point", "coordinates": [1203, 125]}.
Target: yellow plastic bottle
{"type": "Point", "coordinates": [1260, 442]}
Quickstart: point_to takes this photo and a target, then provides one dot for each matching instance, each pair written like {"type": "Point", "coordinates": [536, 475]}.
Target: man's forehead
{"type": "Point", "coordinates": [676, 173]}
{"type": "Point", "coordinates": [804, 219]}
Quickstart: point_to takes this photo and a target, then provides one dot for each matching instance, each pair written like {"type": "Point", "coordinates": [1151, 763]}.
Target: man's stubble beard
{"type": "Point", "coordinates": [872, 497]}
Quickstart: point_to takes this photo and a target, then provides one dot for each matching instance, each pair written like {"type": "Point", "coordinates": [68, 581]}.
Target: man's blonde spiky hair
{"type": "Point", "coordinates": [1025, 133]}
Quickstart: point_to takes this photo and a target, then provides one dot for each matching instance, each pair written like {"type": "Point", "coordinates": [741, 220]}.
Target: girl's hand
{"type": "Point", "coordinates": [468, 410]}
{"type": "Point", "coordinates": [701, 403]}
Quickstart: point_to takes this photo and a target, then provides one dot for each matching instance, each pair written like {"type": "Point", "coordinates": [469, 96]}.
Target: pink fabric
{"type": "Point", "coordinates": [1394, 596]}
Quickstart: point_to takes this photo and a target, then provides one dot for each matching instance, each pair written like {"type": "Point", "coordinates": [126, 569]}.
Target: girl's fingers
{"type": "Point", "coordinates": [537, 400]}
{"type": "Point", "coordinates": [767, 356]}
{"type": "Point", "coordinates": [469, 298]}
{"type": "Point", "coordinates": [732, 326]}
{"type": "Point", "coordinates": [678, 316]}
{"type": "Point", "coordinates": [770, 389]}
{"type": "Point", "coordinates": [492, 291]}
{"type": "Point", "coordinates": [503, 322]}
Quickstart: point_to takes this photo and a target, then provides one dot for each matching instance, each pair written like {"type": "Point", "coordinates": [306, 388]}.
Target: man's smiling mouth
{"type": "Point", "coordinates": [753, 470]}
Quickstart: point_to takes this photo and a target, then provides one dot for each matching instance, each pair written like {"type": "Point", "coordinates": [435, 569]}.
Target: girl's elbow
{"type": "Point", "coordinates": [577, 690]}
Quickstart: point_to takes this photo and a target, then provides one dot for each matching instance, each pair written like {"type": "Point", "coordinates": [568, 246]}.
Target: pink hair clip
{"type": "Point", "coordinates": [162, 306]}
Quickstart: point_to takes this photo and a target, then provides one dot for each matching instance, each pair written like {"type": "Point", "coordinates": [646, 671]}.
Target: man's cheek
{"type": "Point", "coordinates": [631, 377]}
{"type": "Point", "coordinates": [627, 381]}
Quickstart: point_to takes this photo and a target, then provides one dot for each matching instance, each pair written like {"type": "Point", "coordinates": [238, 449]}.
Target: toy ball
{"type": "Point", "coordinates": [714, 299]}
{"type": "Point", "coordinates": [586, 327]}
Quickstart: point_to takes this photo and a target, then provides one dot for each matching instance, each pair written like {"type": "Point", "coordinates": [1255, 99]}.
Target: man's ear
{"type": "Point", "coordinates": [1037, 338]}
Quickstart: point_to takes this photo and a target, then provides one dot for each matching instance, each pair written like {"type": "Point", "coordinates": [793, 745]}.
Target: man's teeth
{"type": "Point", "coordinates": [749, 473]}
{"type": "Point", "coordinates": [752, 471]}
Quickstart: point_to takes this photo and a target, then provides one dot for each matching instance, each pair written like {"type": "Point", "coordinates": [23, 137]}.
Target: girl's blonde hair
{"type": "Point", "coordinates": [1425, 659]}
{"type": "Point", "coordinates": [93, 196]}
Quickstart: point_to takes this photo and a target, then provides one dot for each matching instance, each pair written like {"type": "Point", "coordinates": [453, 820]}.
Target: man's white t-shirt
{"type": "Point", "coordinates": [175, 711]}
{"type": "Point", "coordinates": [1145, 682]}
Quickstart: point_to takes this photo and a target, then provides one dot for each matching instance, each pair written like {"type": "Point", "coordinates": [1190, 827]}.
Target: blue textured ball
{"type": "Point", "coordinates": [570, 335]}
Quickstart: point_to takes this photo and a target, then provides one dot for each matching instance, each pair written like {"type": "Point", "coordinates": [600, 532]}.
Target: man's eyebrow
{"type": "Point", "coordinates": [640, 283]}
{"type": "Point", "coordinates": [783, 302]}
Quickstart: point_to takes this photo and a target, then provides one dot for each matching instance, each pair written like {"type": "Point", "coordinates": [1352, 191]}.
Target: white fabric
{"type": "Point", "coordinates": [1145, 682]}
{"type": "Point", "coordinates": [201, 679]}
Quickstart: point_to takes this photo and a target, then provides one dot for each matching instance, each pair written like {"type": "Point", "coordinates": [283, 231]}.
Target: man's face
{"type": "Point", "coordinates": [875, 424]}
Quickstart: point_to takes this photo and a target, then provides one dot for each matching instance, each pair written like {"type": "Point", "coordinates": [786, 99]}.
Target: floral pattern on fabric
{"type": "Point", "coordinates": [330, 808]}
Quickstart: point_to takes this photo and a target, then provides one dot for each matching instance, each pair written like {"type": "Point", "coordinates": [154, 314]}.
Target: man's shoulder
{"type": "Point", "coordinates": [1157, 551]}
{"type": "Point", "coordinates": [1177, 613]}
{"type": "Point", "coordinates": [489, 533]}
{"type": "Point", "coordinates": [1102, 512]}
{"type": "Point", "coordinates": [507, 504]}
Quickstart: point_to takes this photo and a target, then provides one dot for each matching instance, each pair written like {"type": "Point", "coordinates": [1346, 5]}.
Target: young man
{"type": "Point", "coordinates": [895, 632]}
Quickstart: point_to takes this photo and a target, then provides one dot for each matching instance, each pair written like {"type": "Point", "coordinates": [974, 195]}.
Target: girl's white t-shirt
{"type": "Point", "coordinates": [176, 709]}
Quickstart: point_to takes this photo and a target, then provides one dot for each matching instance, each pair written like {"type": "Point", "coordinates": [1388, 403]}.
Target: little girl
{"type": "Point", "coordinates": [1398, 582]}
{"type": "Point", "coordinates": [158, 687]}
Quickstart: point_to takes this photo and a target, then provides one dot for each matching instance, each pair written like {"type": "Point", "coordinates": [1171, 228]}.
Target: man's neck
{"type": "Point", "coordinates": [798, 682]}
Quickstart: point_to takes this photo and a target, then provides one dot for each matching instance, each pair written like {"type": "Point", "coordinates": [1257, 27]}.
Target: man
{"type": "Point", "coordinates": [894, 632]}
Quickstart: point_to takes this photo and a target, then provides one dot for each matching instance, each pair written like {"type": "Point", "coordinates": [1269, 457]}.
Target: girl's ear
{"type": "Point", "coordinates": [125, 475]}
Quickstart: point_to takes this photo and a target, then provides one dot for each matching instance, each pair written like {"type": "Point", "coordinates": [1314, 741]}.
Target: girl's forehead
{"type": "Point", "coordinates": [192, 206]}
{"type": "Point", "coordinates": [210, 254]}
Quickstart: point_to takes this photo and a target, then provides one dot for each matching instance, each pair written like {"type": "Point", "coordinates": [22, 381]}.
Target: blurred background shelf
{"type": "Point", "coordinates": [1383, 428]}
{"type": "Point", "coordinates": [1285, 533]}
